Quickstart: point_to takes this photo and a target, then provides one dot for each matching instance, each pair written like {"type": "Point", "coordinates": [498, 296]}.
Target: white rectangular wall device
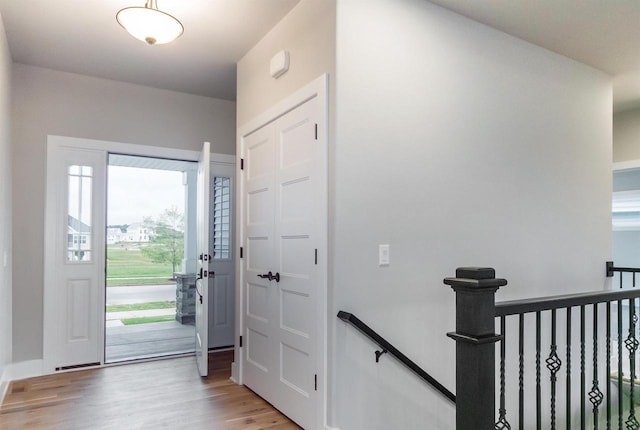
{"type": "Point", "coordinates": [279, 64]}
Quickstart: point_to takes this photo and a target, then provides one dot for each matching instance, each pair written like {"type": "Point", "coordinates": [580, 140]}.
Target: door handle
{"type": "Point", "coordinates": [270, 276]}
{"type": "Point", "coordinates": [205, 273]}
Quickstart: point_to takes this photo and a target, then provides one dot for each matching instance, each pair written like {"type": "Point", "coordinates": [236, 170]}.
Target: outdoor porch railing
{"type": "Point", "coordinates": [552, 344]}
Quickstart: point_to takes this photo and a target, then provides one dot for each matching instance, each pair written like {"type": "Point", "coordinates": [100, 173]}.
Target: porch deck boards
{"type": "Point", "coordinates": [159, 394]}
{"type": "Point", "coordinates": [133, 342]}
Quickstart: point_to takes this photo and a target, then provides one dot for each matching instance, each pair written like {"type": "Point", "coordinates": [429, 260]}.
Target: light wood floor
{"type": "Point", "coordinates": [165, 394]}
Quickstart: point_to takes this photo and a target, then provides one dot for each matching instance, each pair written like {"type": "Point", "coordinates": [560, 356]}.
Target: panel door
{"type": "Point", "coordinates": [297, 176]}
{"type": "Point", "coordinates": [259, 244]}
{"type": "Point", "coordinates": [283, 180]}
{"type": "Point", "coordinates": [222, 285]}
{"type": "Point", "coordinates": [74, 258]}
{"type": "Point", "coordinates": [202, 268]}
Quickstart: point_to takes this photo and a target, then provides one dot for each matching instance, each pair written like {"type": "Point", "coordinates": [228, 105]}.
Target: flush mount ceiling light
{"type": "Point", "coordinates": [149, 24]}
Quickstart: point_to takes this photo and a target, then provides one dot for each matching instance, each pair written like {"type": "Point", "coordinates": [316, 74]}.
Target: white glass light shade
{"type": "Point", "coordinates": [150, 25]}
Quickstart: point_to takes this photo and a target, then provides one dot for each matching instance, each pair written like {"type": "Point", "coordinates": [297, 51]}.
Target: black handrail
{"type": "Point", "coordinates": [611, 268]}
{"type": "Point", "coordinates": [387, 347]}
{"type": "Point", "coordinates": [516, 307]}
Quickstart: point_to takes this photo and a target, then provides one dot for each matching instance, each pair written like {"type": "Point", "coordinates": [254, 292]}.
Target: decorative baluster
{"type": "Point", "coordinates": [608, 358]}
{"type": "Point", "coordinates": [521, 372]}
{"type": "Point", "coordinates": [553, 364]}
{"type": "Point", "coordinates": [583, 388]}
{"type": "Point", "coordinates": [620, 396]}
{"type": "Point", "coordinates": [631, 344]}
{"type": "Point", "coordinates": [569, 412]}
{"type": "Point", "coordinates": [595, 395]}
{"type": "Point", "coordinates": [538, 389]}
{"type": "Point", "coordinates": [502, 412]}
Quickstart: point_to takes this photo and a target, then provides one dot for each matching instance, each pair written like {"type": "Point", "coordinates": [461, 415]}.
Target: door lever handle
{"type": "Point", "coordinates": [270, 276]}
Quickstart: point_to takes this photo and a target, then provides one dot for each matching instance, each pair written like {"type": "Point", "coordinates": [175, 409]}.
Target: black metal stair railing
{"type": "Point", "coordinates": [389, 348]}
{"type": "Point", "coordinates": [554, 363]}
{"type": "Point", "coordinates": [544, 330]}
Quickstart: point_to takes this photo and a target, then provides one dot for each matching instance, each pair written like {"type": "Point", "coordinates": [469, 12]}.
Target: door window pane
{"type": "Point", "coordinates": [221, 219]}
{"type": "Point", "coordinates": [80, 179]}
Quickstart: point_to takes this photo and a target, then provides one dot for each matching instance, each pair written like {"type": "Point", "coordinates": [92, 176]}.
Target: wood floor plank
{"type": "Point", "coordinates": [166, 394]}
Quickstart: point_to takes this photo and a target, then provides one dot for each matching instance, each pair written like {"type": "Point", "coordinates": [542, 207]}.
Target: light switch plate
{"type": "Point", "coordinates": [383, 255]}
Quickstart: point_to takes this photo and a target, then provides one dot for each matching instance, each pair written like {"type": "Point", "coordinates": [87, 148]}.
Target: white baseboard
{"type": "Point", "coordinates": [23, 369]}
{"type": "Point", "coordinates": [331, 428]}
{"type": "Point", "coordinates": [4, 386]}
{"type": "Point", "coordinates": [235, 372]}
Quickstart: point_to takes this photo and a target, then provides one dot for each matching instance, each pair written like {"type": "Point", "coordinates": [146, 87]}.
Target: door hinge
{"type": "Point", "coordinates": [316, 255]}
{"type": "Point", "coordinates": [240, 341]}
{"type": "Point", "coordinates": [241, 252]}
{"type": "Point", "coordinates": [242, 164]}
{"type": "Point", "coordinates": [316, 132]}
{"type": "Point", "coordinates": [315, 383]}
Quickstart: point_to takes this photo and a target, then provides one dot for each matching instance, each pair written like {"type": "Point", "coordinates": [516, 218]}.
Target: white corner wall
{"type": "Point", "coordinates": [307, 32]}
{"type": "Point", "coordinates": [457, 145]}
{"type": "Point", "coordinates": [48, 102]}
{"type": "Point", "coordinates": [5, 209]}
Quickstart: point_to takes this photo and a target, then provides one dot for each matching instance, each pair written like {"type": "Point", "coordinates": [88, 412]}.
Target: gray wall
{"type": "Point", "coordinates": [626, 135]}
{"type": "Point", "coordinates": [5, 205]}
{"type": "Point", "coordinates": [48, 102]}
{"type": "Point", "coordinates": [626, 249]}
{"type": "Point", "coordinates": [457, 145]}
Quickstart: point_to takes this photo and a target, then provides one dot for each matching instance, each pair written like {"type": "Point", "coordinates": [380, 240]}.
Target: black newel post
{"type": "Point", "coordinates": [475, 336]}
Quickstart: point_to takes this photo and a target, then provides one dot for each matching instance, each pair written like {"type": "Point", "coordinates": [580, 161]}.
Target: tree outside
{"type": "Point", "coordinates": [167, 240]}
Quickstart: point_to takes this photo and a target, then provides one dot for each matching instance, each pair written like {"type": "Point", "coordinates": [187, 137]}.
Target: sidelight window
{"type": "Point", "coordinates": [80, 180]}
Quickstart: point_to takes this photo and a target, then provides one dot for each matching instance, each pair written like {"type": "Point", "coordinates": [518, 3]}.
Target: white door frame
{"type": "Point", "coordinates": [317, 88]}
{"type": "Point", "coordinates": [54, 145]}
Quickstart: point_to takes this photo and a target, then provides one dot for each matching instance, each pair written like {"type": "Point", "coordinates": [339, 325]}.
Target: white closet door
{"type": "Point", "coordinates": [261, 295]}
{"type": "Point", "coordinates": [284, 176]}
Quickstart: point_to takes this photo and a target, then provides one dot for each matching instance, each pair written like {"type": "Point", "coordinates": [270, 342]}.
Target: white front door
{"type": "Point", "coordinates": [222, 286]}
{"type": "Point", "coordinates": [284, 213]}
{"type": "Point", "coordinates": [74, 257]}
{"type": "Point", "coordinates": [202, 269]}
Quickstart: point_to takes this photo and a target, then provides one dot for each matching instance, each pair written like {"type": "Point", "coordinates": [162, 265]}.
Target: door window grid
{"type": "Point", "coordinates": [221, 219]}
{"type": "Point", "coordinates": [80, 181]}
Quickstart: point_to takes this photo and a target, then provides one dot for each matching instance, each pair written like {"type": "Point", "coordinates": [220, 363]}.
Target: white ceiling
{"type": "Point", "coordinates": [84, 37]}
{"type": "Point", "coordinates": [604, 34]}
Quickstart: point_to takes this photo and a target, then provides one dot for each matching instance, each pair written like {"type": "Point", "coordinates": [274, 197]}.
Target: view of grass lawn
{"type": "Point", "coordinates": [141, 306]}
{"type": "Point", "coordinates": [127, 265]}
{"type": "Point", "coordinates": [147, 320]}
